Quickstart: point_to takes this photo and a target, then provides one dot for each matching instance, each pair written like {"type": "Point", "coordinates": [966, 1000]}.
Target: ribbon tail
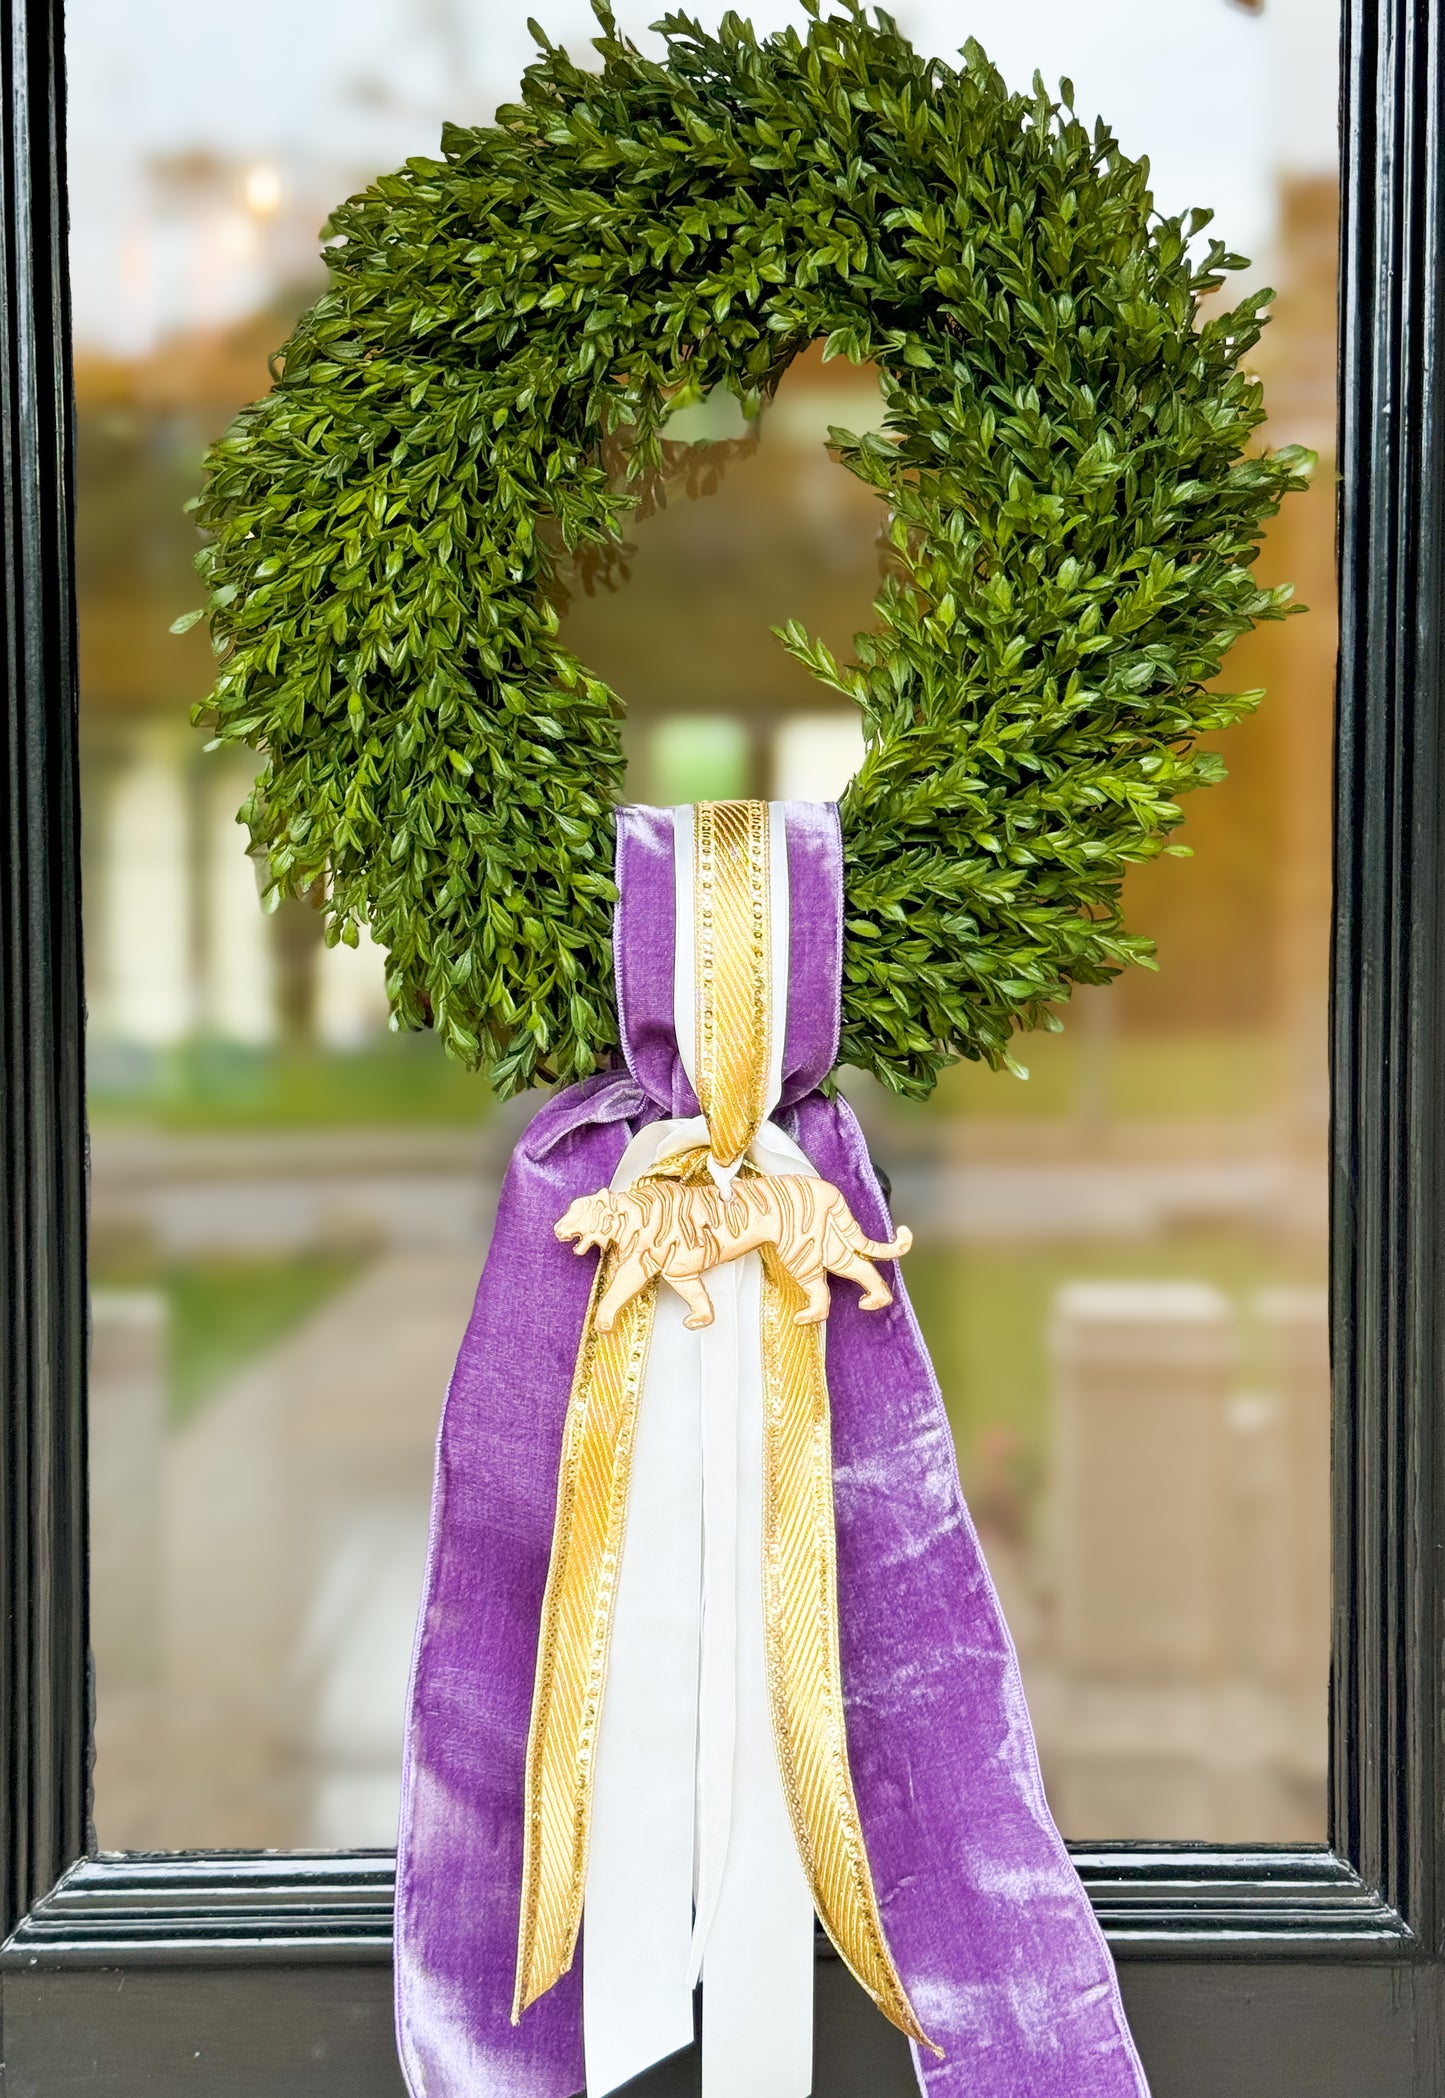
{"type": "Point", "coordinates": [720, 1370]}
{"type": "Point", "coordinates": [805, 1671]}
{"type": "Point", "coordinates": [574, 1635]}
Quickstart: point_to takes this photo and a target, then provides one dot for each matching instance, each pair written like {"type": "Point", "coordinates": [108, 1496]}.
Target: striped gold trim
{"type": "Point", "coordinates": [732, 934]}
{"type": "Point", "coordinates": [575, 1633]}
{"type": "Point", "coordinates": [805, 1669]}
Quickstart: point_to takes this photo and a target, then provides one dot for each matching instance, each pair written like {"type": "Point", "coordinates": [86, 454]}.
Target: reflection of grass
{"type": "Point", "coordinates": [985, 1313]}
{"type": "Point", "coordinates": [201, 1085]}
{"type": "Point", "coordinates": [223, 1313]}
{"type": "Point", "coordinates": [409, 1079]}
{"type": "Point", "coordinates": [1171, 1075]}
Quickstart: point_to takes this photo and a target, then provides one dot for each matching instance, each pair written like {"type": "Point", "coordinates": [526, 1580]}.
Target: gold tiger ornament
{"type": "Point", "coordinates": [679, 1229]}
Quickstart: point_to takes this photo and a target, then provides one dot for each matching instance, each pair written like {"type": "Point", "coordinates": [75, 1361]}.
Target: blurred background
{"type": "Point", "coordinates": [1120, 1263]}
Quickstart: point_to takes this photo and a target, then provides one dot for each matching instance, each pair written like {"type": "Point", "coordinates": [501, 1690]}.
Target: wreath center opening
{"type": "Point", "coordinates": [756, 525]}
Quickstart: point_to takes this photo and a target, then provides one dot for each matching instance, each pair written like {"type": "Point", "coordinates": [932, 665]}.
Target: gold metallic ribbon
{"type": "Point", "coordinates": [732, 938]}
{"type": "Point", "coordinates": [575, 1632]}
{"type": "Point", "coordinates": [733, 955]}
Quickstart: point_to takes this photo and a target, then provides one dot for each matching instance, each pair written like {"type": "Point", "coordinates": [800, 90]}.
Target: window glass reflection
{"type": "Point", "coordinates": [1120, 1263]}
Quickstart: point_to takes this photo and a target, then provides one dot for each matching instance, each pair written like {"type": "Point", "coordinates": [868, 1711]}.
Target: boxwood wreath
{"type": "Point", "coordinates": [1070, 506]}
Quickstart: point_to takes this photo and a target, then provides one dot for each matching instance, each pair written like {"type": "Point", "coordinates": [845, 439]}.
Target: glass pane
{"type": "Point", "coordinates": [1120, 1263]}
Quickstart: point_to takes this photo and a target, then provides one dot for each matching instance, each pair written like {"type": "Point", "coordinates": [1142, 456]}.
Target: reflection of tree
{"type": "Point", "coordinates": [142, 426]}
{"type": "Point", "coordinates": [445, 20]}
{"type": "Point", "coordinates": [442, 25]}
{"type": "Point", "coordinates": [191, 178]}
{"type": "Point", "coordinates": [1243, 927]}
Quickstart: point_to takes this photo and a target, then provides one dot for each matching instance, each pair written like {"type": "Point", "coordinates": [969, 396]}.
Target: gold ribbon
{"type": "Point", "coordinates": [575, 1632]}
{"type": "Point", "coordinates": [733, 957]}
{"type": "Point", "coordinates": [732, 941]}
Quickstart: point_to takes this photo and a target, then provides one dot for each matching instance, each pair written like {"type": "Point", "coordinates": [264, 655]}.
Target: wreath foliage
{"type": "Point", "coordinates": [1069, 500]}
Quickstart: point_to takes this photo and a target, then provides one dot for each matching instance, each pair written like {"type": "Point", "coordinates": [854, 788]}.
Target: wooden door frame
{"type": "Point", "coordinates": [1248, 1971]}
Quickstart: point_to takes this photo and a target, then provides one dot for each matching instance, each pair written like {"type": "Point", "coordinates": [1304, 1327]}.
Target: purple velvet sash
{"type": "Point", "coordinates": [991, 1931]}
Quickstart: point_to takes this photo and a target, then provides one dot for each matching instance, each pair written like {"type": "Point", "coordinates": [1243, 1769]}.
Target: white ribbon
{"type": "Point", "coordinates": [693, 1869]}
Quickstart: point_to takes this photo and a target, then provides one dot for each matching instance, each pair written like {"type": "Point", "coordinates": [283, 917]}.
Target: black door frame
{"type": "Point", "coordinates": [1264, 1971]}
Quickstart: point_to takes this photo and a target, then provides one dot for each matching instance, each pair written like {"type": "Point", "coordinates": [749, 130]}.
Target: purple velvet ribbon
{"type": "Point", "coordinates": [991, 1931]}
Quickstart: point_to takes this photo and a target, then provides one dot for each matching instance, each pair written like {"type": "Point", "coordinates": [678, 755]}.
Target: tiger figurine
{"type": "Point", "coordinates": [678, 1230]}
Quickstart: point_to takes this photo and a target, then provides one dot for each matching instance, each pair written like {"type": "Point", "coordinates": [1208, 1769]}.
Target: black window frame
{"type": "Point", "coordinates": [1256, 1969]}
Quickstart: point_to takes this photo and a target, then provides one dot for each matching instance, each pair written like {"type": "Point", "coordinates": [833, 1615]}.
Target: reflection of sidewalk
{"type": "Point", "coordinates": [293, 1512]}
{"type": "Point", "coordinates": [957, 1180]}
{"type": "Point", "coordinates": [1084, 1198]}
{"type": "Point", "coordinates": [272, 1191]}
{"type": "Point", "coordinates": [350, 1667]}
